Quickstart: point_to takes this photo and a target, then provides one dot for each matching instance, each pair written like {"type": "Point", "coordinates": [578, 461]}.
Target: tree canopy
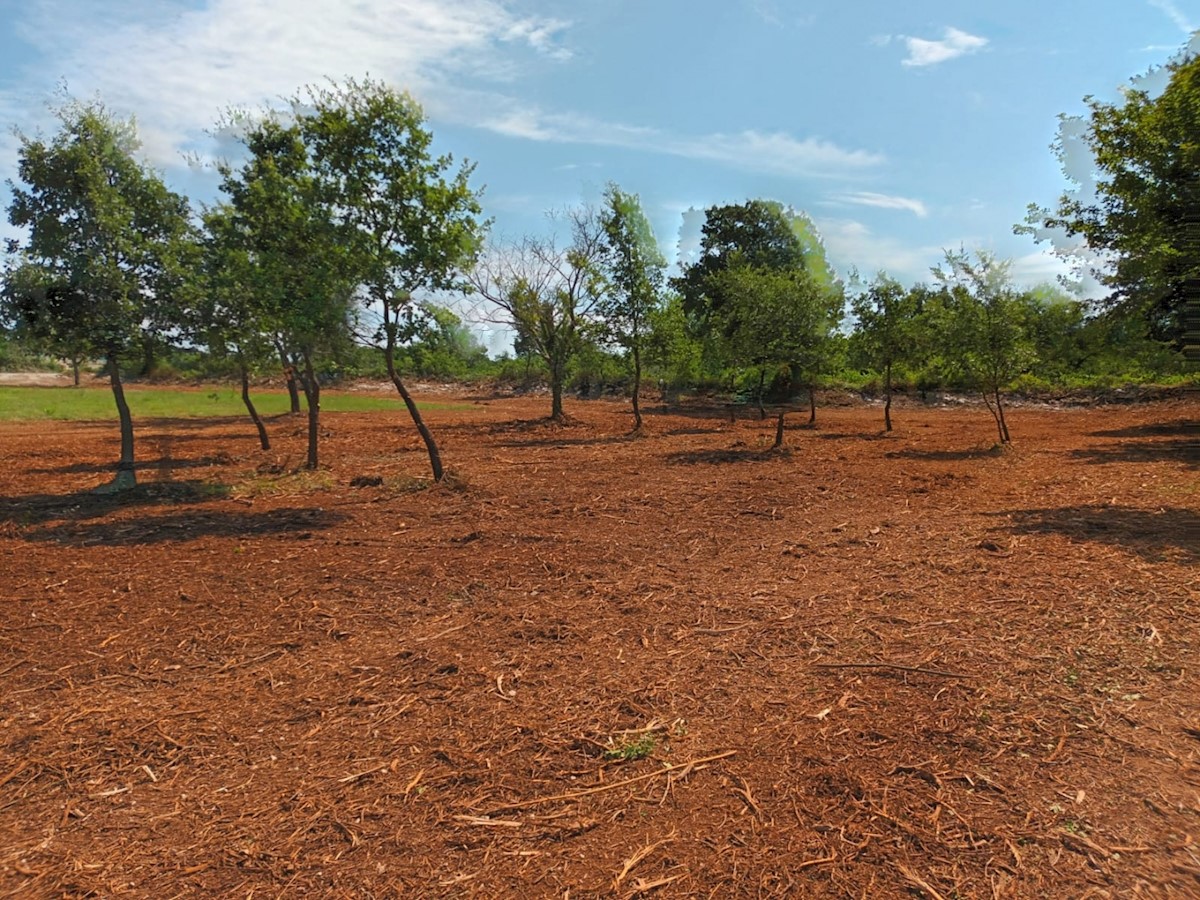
{"type": "Point", "coordinates": [1140, 227]}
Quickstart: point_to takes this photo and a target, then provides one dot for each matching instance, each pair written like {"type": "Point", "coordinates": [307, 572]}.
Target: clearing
{"type": "Point", "coordinates": [593, 666]}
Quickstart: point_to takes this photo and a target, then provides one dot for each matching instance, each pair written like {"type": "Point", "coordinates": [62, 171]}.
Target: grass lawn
{"type": "Point", "coordinates": [96, 403]}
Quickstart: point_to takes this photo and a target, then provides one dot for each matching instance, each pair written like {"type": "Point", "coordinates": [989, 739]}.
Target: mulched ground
{"type": "Point", "coordinates": [593, 666]}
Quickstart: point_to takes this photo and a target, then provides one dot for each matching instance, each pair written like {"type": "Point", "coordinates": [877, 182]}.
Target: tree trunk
{"type": "Point", "coordinates": [312, 395]}
{"type": "Point", "coordinates": [254, 416]}
{"type": "Point", "coordinates": [778, 432]}
{"type": "Point", "coordinates": [997, 415]}
{"type": "Point", "coordinates": [762, 411]}
{"type": "Point", "coordinates": [556, 392]}
{"type": "Point", "coordinates": [812, 404]}
{"type": "Point", "coordinates": [887, 397]}
{"type": "Point", "coordinates": [75, 370]}
{"type": "Point", "coordinates": [126, 477]}
{"type": "Point", "coordinates": [637, 387]}
{"type": "Point", "coordinates": [389, 357]}
{"type": "Point", "coordinates": [1000, 420]}
{"type": "Point", "coordinates": [289, 372]}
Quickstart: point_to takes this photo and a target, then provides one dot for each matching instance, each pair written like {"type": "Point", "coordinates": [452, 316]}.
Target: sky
{"type": "Point", "coordinates": [901, 129]}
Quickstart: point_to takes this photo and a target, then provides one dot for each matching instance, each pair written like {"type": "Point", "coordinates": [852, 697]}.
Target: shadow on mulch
{"type": "Point", "coordinates": [945, 455]}
{"type": "Point", "coordinates": [1152, 429]}
{"type": "Point", "coordinates": [203, 462]}
{"type": "Point", "coordinates": [1148, 533]}
{"type": "Point", "coordinates": [554, 441]}
{"type": "Point", "coordinates": [33, 509]}
{"type": "Point", "coordinates": [188, 525]}
{"type": "Point", "coordinates": [1179, 451]}
{"type": "Point", "coordinates": [732, 455]}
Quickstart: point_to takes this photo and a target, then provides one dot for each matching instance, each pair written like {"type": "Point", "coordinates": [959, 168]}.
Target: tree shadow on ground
{"type": "Point", "coordinates": [188, 525]}
{"type": "Point", "coordinates": [551, 441]}
{"type": "Point", "coordinates": [730, 455]}
{"type": "Point", "coordinates": [945, 455]}
{"type": "Point", "coordinates": [1152, 534]}
{"type": "Point", "coordinates": [1184, 450]}
{"type": "Point", "coordinates": [1153, 429]}
{"type": "Point", "coordinates": [33, 509]}
{"type": "Point", "coordinates": [163, 464]}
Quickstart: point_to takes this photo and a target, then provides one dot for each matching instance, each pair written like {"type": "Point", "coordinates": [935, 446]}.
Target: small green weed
{"type": "Point", "coordinates": [633, 748]}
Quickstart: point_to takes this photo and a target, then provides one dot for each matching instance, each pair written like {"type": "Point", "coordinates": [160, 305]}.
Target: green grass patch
{"type": "Point", "coordinates": [96, 403]}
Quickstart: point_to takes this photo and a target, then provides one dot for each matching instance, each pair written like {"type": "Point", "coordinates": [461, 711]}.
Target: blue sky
{"type": "Point", "coordinates": [900, 128]}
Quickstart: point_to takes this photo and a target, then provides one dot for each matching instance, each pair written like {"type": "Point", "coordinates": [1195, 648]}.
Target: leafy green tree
{"type": "Point", "coordinates": [772, 319]}
{"type": "Point", "coordinates": [757, 233]}
{"type": "Point", "coordinates": [108, 250]}
{"type": "Point", "coordinates": [634, 268]}
{"type": "Point", "coordinates": [982, 328]}
{"type": "Point", "coordinates": [548, 295]}
{"type": "Point", "coordinates": [1139, 223]}
{"type": "Point", "coordinates": [672, 351]}
{"type": "Point", "coordinates": [415, 223]}
{"type": "Point", "coordinates": [230, 317]}
{"type": "Point", "coordinates": [885, 331]}
{"type": "Point", "coordinates": [307, 270]}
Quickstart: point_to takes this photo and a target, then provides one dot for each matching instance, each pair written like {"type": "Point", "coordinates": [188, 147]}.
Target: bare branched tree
{"type": "Point", "coordinates": [549, 295]}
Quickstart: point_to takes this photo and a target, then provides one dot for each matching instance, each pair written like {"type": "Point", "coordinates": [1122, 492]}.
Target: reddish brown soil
{"type": "Point", "coordinates": [874, 666]}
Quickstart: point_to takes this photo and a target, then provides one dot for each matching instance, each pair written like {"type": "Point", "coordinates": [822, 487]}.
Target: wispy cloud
{"type": "Point", "coordinates": [776, 153]}
{"type": "Point", "coordinates": [883, 201]}
{"type": "Point", "coordinates": [1173, 12]}
{"type": "Point", "coordinates": [178, 70]}
{"type": "Point", "coordinates": [953, 44]}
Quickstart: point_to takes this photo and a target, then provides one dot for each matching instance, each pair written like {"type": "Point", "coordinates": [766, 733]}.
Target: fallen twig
{"type": "Point", "coordinates": [897, 667]}
{"type": "Point", "coordinates": [572, 795]}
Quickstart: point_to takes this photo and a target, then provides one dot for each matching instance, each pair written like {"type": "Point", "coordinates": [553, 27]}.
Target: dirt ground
{"type": "Point", "coordinates": [872, 666]}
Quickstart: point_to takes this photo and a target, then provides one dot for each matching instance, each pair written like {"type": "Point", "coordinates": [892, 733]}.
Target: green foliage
{"type": "Point", "coordinates": [634, 267]}
{"type": "Point", "coordinates": [415, 224]}
{"type": "Point", "coordinates": [108, 245]}
{"type": "Point", "coordinates": [981, 322]}
{"type": "Point", "coordinates": [1140, 230]}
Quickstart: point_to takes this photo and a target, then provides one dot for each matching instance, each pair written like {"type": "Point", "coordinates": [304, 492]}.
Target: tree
{"type": "Point", "coordinates": [1137, 207]}
{"type": "Point", "coordinates": [414, 228]}
{"type": "Point", "coordinates": [757, 233]}
{"type": "Point", "coordinates": [230, 315]}
{"type": "Point", "coordinates": [634, 267]}
{"type": "Point", "coordinates": [307, 270]}
{"type": "Point", "coordinates": [107, 252]}
{"type": "Point", "coordinates": [548, 295]}
{"type": "Point", "coordinates": [886, 323]}
{"type": "Point", "coordinates": [772, 319]}
{"type": "Point", "coordinates": [981, 327]}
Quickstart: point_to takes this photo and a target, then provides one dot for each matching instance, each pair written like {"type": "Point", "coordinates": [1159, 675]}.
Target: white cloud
{"type": "Point", "coordinates": [1172, 12]}
{"type": "Point", "coordinates": [178, 68]}
{"type": "Point", "coordinates": [850, 243]}
{"type": "Point", "coordinates": [883, 201]}
{"type": "Point", "coordinates": [775, 153]}
{"type": "Point", "coordinates": [955, 43]}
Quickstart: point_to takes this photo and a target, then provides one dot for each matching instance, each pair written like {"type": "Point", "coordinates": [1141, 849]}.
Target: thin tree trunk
{"type": "Point", "coordinates": [1003, 423]}
{"type": "Point", "coordinates": [778, 431]}
{"type": "Point", "coordinates": [126, 476]}
{"type": "Point", "coordinates": [887, 394]}
{"type": "Point", "coordinates": [254, 416]}
{"type": "Point", "coordinates": [389, 357]}
{"type": "Point", "coordinates": [556, 392]}
{"type": "Point", "coordinates": [996, 417]}
{"type": "Point", "coordinates": [762, 377]}
{"type": "Point", "coordinates": [312, 395]}
{"type": "Point", "coordinates": [812, 404]}
{"type": "Point", "coordinates": [289, 372]}
{"type": "Point", "coordinates": [637, 387]}
{"type": "Point", "coordinates": [75, 370]}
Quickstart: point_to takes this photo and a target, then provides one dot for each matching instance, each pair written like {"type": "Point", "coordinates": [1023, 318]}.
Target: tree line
{"type": "Point", "coordinates": [338, 225]}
